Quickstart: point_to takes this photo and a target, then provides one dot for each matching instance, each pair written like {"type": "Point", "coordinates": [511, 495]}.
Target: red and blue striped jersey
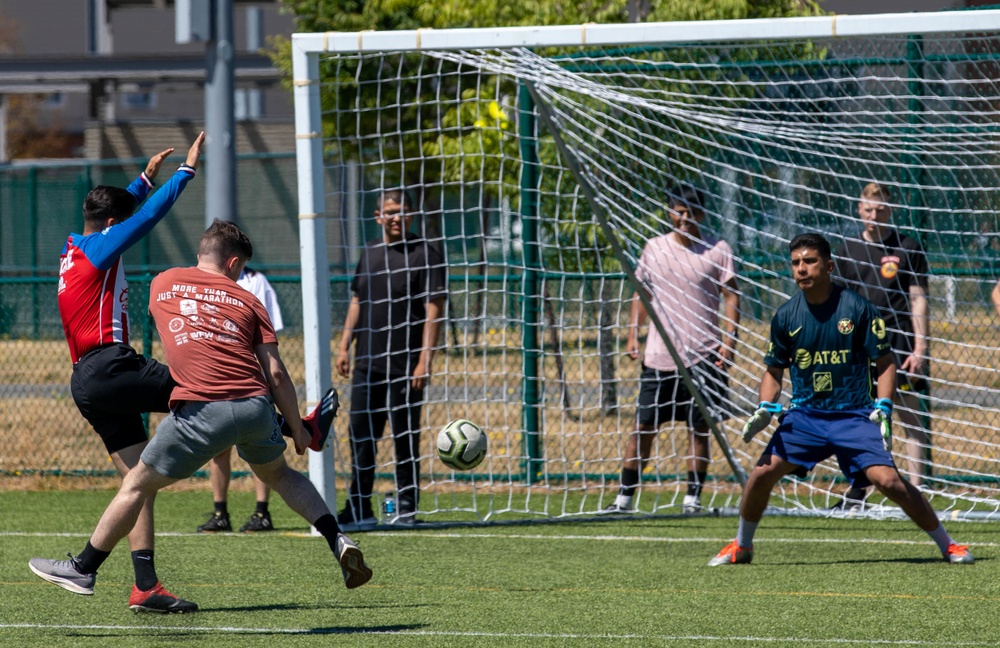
{"type": "Point", "coordinates": [93, 293]}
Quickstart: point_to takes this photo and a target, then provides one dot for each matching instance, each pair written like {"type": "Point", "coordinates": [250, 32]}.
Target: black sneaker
{"type": "Point", "coordinates": [218, 522]}
{"type": "Point", "coordinates": [853, 500]}
{"type": "Point", "coordinates": [405, 520]}
{"type": "Point", "coordinates": [258, 522]}
{"type": "Point", "coordinates": [348, 523]}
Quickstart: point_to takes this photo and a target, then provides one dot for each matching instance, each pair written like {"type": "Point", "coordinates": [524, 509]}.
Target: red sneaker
{"type": "Point", "coordinates": [320, 419]}
{"type": "Point", "coordinates": [158, 600]}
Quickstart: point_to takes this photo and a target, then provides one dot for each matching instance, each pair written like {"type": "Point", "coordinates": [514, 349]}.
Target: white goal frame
{"type": "Point", "coordinates": [307, 48]}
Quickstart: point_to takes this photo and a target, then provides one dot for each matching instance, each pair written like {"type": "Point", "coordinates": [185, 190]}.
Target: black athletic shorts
{"type": "Point", "coordinates": [663, 396]}
{"type": "Point", "coordinates": [113, 387]}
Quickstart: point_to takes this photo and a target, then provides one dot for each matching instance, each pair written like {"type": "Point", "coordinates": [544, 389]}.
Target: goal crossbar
{"type": "Point", "coordinates": [601, 35]}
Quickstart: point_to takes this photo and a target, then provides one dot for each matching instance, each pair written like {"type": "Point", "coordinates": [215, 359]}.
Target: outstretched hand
{"type": "Point", "coordinates": [153, 166]}
{"type": "Point", "coordinates": [760, 419]}
{"type": "Point", "coordinates": [882, 414]}
{"type": "Point", "coordinates": [195, 151]}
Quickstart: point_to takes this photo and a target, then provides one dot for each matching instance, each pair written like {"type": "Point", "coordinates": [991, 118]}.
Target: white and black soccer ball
{"type": "Point", "coordinates": [461, 445]}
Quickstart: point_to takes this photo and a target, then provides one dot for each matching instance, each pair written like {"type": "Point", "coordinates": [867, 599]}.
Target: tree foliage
{"type": "Point", "coordinates": [388, 113]}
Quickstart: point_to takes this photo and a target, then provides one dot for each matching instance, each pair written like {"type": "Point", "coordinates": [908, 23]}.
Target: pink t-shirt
{"type": "Point", "coordinates": [684, 284]}
{"type": "Point", "coordinates": [210, 327]}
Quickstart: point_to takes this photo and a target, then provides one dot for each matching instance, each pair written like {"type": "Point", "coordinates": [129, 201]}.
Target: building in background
{"type": "Point", "coordinates": [104, 75]}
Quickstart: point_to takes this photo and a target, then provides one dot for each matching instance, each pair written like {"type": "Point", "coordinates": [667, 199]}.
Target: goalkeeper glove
{"type": "Point", "coordinates": [760, 419]}
{"type": "Point", "coordinates": [882, 414]}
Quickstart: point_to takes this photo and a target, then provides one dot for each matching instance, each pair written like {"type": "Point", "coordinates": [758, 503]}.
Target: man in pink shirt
{"type": "Point", "coordinates": [687, 275]}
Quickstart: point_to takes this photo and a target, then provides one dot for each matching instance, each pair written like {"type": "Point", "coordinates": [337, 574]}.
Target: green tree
{"type": "Point", "coordinates": [387, 114]}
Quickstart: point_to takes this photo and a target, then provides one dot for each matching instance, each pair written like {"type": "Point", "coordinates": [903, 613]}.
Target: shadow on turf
{"type": "Point", "coordinates": [286, 607]}
{"type": "Point", "coordinates": [870, 561]}
{"type": "Point", "coordinates": [257, 632]}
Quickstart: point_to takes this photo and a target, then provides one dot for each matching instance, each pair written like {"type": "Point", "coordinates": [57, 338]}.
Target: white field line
{"type": "Point", "coordinates": [531, 536]}
{"type": "Point", "coordinates": [488, 635]}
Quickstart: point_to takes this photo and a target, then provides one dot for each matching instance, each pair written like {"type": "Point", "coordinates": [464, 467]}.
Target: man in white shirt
{"type": "Point", "coordinates": [220, 468]}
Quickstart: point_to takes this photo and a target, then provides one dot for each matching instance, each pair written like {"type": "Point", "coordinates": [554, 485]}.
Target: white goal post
{"type": "Point", "coordinates": [541, 158]}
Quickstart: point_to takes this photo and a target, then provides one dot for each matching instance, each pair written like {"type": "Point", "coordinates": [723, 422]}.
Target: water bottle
{"type": "Point", "coordinates": [388, 508]}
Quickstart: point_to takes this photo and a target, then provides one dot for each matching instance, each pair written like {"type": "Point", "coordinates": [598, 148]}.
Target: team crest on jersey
{"type": "Point", "coordinates": [878, 328]}
{"type": "Point", "coordinates": [822, 381]}
{"type": "Point", "coordinates": [890, 266]}
{"type": "Point", "coordinates": [845, 326]}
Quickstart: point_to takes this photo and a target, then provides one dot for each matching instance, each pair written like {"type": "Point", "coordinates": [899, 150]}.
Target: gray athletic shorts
{"type": "Point", "coordinates": [196, 431]}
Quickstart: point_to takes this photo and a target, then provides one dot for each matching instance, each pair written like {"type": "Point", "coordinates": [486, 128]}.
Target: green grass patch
{"type": "Point", "coordinates": [644, 582]}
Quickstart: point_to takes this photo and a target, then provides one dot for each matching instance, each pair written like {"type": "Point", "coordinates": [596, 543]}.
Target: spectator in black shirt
{"type": "Point", "coordinates": [394, 318]}
{"type": "Point", "coordinates": [890, 270]}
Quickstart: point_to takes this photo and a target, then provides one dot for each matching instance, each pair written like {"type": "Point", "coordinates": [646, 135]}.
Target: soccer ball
{"type": "Point", "coordinates": [461, 445]}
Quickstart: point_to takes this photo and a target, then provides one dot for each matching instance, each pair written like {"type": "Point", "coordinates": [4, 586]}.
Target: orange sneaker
{"type": "Point", "coordinates": [959, 555]}
{"type": "Point", "coordinates": [732, 554]}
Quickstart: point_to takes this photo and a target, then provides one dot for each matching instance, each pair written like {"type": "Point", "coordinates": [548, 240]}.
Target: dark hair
{"type": "Point", "coordinates": [685, 194]}
{"type": "Point", "coordinates": [399, 196]}
{"type": "Point", "coordinates": [104, 202]}
{"type": "Point", "coordinates": [224, 240]}
{"type": "Point", "coordinates": [811, 240]}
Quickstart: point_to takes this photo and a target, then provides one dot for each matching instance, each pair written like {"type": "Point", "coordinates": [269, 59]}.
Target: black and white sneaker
{"type": "Point", "coordinates": [217, 522]}
{"type": "Point", "coordinates": [852, 502]}
{"type": "Point", "coordinates": [64, 573]}
{"type": "Point", "coordinates": [348, 523]}
{"type": "Point", "coordinates": [258, 522]}
{"type": "Point", "coordinates": [615, 508]}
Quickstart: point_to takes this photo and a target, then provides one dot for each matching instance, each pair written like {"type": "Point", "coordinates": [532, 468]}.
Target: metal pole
{"type": "Point", "coordinates": [312, 248]}
{"type": "Point", "coordinates": [530, 336]}
{"type": "Point", "coordinates": [220, 145]}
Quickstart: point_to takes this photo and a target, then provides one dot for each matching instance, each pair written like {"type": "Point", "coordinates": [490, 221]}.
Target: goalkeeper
{"type": "Point", "coordinates": [826, 336]}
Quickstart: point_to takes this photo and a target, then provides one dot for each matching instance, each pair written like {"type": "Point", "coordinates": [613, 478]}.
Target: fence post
{"type": "Point", "coordinates": [530, 335]}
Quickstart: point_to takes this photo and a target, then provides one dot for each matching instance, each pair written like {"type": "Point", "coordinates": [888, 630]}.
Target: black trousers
{"type": "Point", "coordinates": [376, 400]}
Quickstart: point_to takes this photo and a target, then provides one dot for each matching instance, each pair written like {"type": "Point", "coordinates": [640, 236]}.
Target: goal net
{"type": "Point", "coordinates": [541, 162]}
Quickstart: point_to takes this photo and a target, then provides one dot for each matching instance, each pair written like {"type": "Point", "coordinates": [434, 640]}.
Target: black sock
{"type": "Point", "coordinates": [91, 559]}
{"type": "Point", "coordinates": [695, 482]}
{"type": "Point", "coordinates": [145, 572]}
{"type": "Point", "coordinates": [221, 508]}
{"type": "Point", "coordinates": [630, 481]}
{"type": "Point", "coordinates": [261, 508]}
{"type": "Point", "coordinates": [328, 528]}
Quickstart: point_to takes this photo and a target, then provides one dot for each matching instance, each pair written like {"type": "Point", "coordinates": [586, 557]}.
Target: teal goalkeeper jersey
{"type": "Point", "coordinates": [829, 349]}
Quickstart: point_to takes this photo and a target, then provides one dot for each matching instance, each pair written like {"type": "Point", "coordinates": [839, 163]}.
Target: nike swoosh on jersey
{"type": "Point", "coordinates": [795, 332]}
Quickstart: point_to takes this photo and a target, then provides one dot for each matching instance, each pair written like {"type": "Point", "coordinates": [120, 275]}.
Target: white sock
{"type": "Point", "coordinates": [745, 533]}
{"type": "Point", "coordinates": [941, 537]}
{"type": "Point", "coordinates": [623, 501]}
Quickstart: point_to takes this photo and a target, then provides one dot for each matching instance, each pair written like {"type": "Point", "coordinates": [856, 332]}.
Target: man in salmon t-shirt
{"type": "Point", "coordinates": [223, 354]}
{"type": "Point", "coordinates": [687, 274]}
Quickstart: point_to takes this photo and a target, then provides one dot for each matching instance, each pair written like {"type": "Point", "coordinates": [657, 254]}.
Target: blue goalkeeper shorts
{"type": "Point", "coordinates": [806, 437]}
